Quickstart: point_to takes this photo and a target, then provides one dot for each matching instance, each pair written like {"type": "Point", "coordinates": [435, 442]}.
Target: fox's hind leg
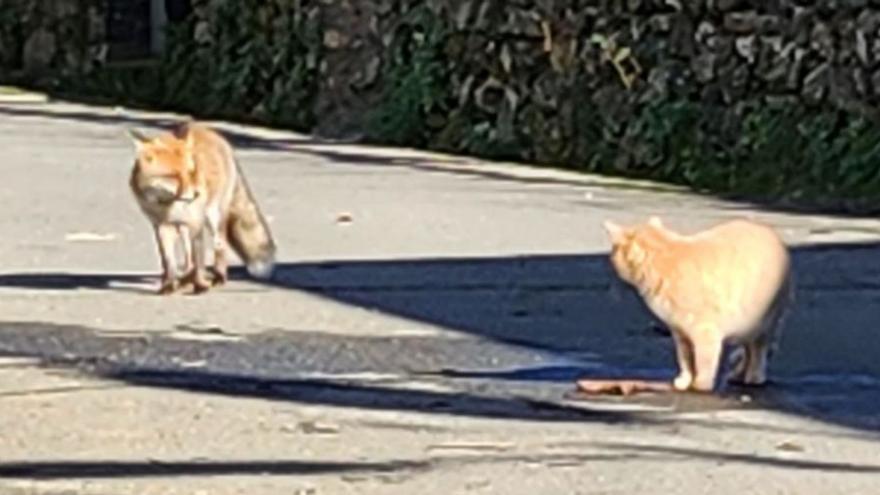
{"type": "Point", "coordinates": [186, 245]}
{"type": "Point", "coordinates": [217, 225]}
{"type": "Point", "coordinates": [196, 276]}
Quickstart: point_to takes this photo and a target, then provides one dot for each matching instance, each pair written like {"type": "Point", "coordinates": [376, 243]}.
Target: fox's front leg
{"type": "Point", "coordinates": [218, 227]}
{"type": "Point", "coordinates": [185, 244]}
{"type": "Point", "coordinates": [196, 256]}
{"type": "Point", "coordinates": [166, 237]}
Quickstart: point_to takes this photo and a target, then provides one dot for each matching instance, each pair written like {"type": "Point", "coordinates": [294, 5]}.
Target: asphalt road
{"type": "Point", "coordinates": [420, 335]}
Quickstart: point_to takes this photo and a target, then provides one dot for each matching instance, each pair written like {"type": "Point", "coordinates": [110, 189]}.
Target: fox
{"type": "Point", "coordinates": [190, 186]}
{"type": "Point", "coordinates": [728, 285]}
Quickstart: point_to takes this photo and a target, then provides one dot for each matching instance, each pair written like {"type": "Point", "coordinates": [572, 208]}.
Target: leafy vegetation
{"type": "Point", "coordinates": [257, 62]}
{"type": "Point", "coordinates": [251, 63]}
{"type": "Point", "coordinates": [791, 153]}
{"type": "Point", "coordinates": [416, 97]}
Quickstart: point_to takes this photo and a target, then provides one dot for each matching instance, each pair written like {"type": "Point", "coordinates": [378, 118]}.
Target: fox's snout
{"type": "Point", "coordinates": [186, 190]}
{"type": "Point", "coordinates": [188, 196]}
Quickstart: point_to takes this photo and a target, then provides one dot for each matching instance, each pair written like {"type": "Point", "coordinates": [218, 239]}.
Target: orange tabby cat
{"type": "Point", "coordinates": [730, 284]}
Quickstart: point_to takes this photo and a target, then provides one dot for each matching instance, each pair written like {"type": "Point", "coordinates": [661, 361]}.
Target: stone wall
{"type": "Point", "coordinates": [522, 68]}
{"type": "Point", "coordinates": [715, 50]}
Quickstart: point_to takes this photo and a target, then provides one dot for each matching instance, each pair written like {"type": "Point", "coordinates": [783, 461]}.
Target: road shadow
{"type": "Point", "coordinates": [156, 123]}
{"type": "Point", "coordinates": [561, 305]}
{"type": "Point", "coordinates": [671, 454]}
{"type": "Point", "coordinates": [73, 281]}
{"type": "Point", "coordinates": [56, 470]}
{"type": "Point", "coordinates": [263, 368]}
{"type": "Point", "coordinates": [606, 452]}
{"type": "Point", "coordinates": [364, 397]}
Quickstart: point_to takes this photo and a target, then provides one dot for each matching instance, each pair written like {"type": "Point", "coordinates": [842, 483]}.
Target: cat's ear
{"type": "Point", "coordinates": [655, 221]}
{"type": "Point", "coordinates": [615, 231]}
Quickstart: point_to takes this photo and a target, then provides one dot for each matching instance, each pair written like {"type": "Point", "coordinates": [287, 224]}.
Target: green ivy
{"type": "Point", "coordinates": [790, 153]}
{"type": "Point", "coordinates": [260, 62]}
{"type": "Point", "coordinates": [417, 98]}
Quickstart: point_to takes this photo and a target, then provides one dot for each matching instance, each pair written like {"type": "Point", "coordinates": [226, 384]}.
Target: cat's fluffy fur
{"type": "Point", "coordinates": [729, 284]}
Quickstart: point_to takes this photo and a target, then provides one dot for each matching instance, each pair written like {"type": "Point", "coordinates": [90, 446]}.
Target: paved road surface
{"type": "Point", "coordinates": [425, 346]}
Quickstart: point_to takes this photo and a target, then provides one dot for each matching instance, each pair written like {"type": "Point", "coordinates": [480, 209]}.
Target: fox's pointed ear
{"type": "Point", "coordinates": [182, 128]}
{"type": "Point", "coordinates": [138, 137]}
{"type": "Point", "coordinates": [655, 221]}
{"type": "Point", "coordinates": [615, 231]}
{"type": "Point", "coordinates": [190, 140]}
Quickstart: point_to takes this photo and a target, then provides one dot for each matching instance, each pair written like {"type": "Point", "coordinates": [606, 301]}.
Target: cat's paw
{"type": "Point", "coordinates": [682, 382]}
{"type": "Point", "coordinates": [755, 378]}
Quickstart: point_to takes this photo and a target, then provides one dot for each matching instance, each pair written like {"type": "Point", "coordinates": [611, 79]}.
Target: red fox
{"type": "Point", "coordinates": [730, 284]}
{"type": "Point", "coordinates": [190, 186]}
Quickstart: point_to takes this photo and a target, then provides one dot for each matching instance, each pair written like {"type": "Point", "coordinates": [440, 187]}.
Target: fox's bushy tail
{"type": "Point", "coordinates": [248, 232]}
